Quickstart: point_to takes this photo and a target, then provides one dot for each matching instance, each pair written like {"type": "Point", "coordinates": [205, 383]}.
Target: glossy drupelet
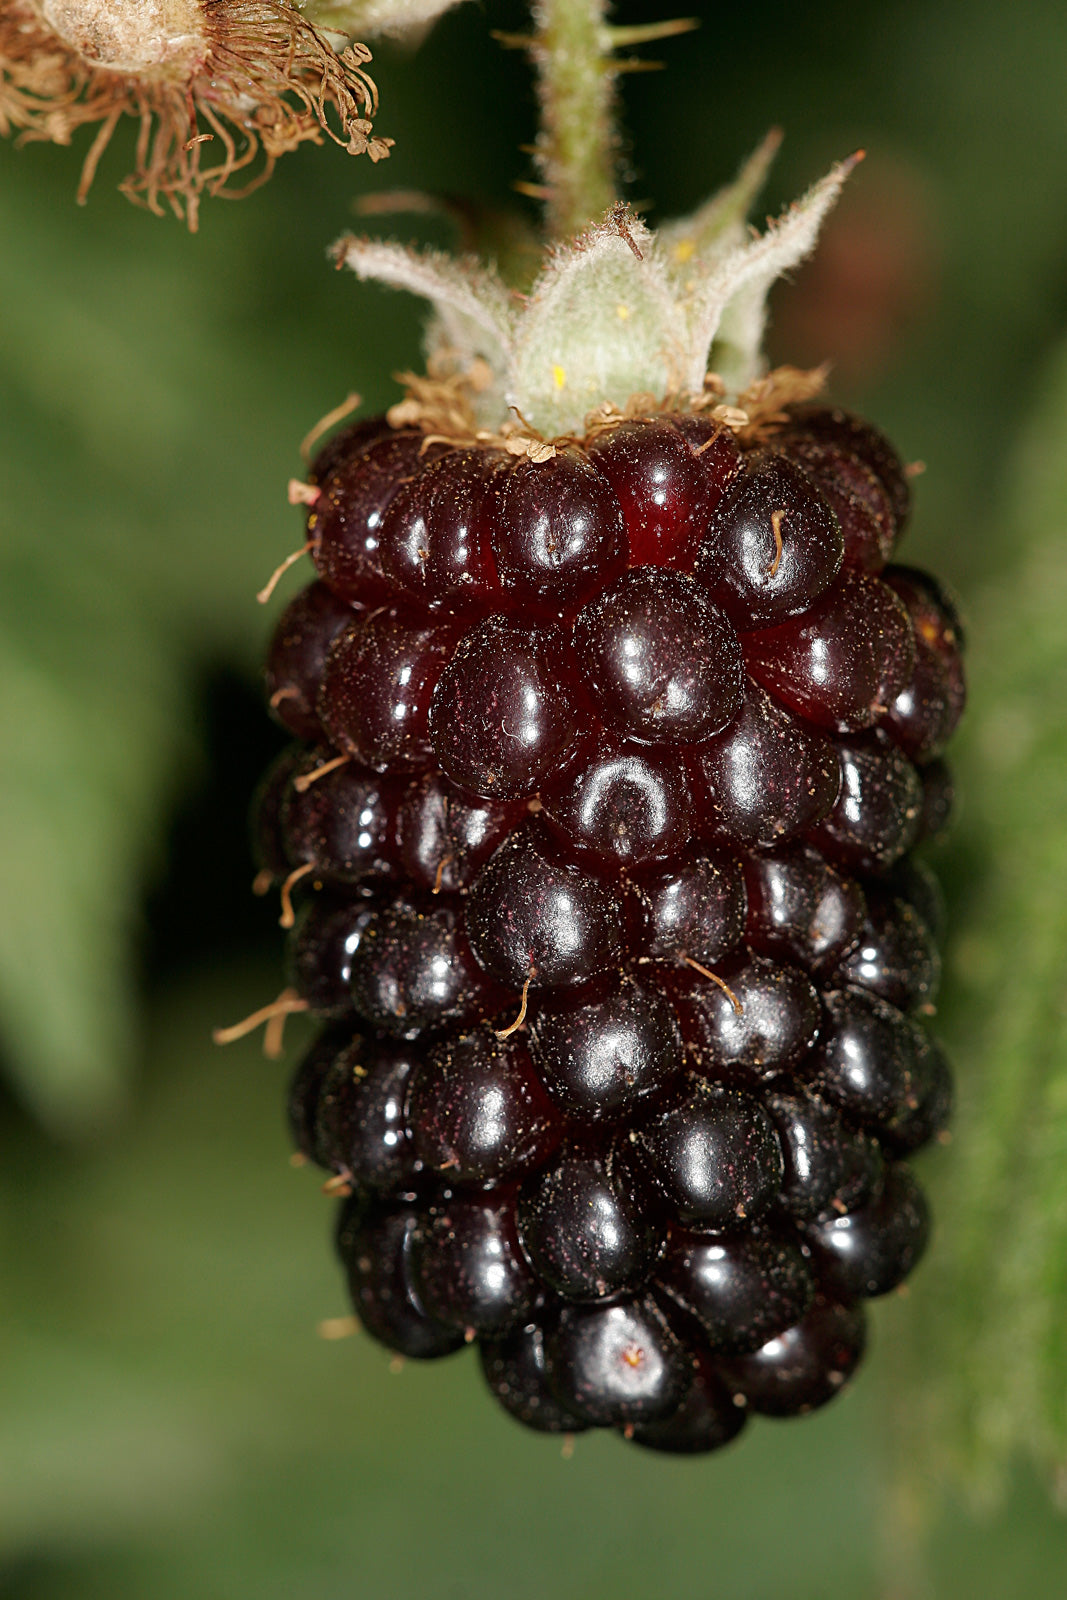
{"type": "Point", "coordinates": [607, 905]}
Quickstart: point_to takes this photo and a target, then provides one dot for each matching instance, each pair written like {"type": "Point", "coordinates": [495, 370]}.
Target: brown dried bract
{"type": "Point", "coordinates": [233, 86]}
{"type": "Point", "coordinates": [765, 400]}
{"type": "Point", "coordinates": [441, 402]}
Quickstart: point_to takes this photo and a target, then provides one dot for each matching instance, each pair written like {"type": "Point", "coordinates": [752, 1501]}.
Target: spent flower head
{"type": "Point", "coordinates": [220, 88]}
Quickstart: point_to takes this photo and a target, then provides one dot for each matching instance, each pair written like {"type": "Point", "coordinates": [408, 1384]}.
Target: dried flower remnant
{"type": "Point", "coordinates": [219, 87]}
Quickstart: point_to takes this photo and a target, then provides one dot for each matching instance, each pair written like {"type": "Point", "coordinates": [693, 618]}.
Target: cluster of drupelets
{"type": "Point", "coordinates": [599, 839]}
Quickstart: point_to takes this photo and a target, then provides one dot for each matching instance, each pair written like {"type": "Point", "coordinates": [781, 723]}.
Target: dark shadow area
{"type": "Point", "coordinates": [203, 910]}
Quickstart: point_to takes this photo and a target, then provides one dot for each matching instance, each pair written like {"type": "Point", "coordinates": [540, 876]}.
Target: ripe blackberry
{"type": "Point", "coordinates": [360, 1130]}
{"type": "Point", "coordinates": [557, 533]}
{"type": "Point", "coordinates": [602, 1052]}
{"type": "Point", "coordinates": [707, 1418]}
{"type": "Point", "coordinates": [666, 490]}
{"type": "Point", "coordinates": [691, 908]}
{"type": "Point", "coordinates": [660, 663]}
{"type": "Point", "coordinates": [773, 546]}
{"type": "Point", "coordinates": [433, 540]}
{"type": "Point", "coordinates": [470, 1270]}
{"type": "Point", "coordinates": [842, 662]}
{"type": "Point", "coordinates": [619, 803]}
{"type": "Point", "coordinates": [344, 825]}
{"type": "Point", "coordinates": [767, 776]}
{"type": "Point", "coordinates": [759, 1024]}
{"type": "Point", "coordinates": [713, 1155]}
{"type": "Point", "coordinates": [413, 973]}
{"type": "Point", "coordinates": [617, 739]}
{"type": "Point", "coordinates": [297, 654]}
{"type": "Point", "coordinates": [321, 947]}
{"type": "Point", "coordinates": [741, 1287]}
{"type": "Point", "coordinates": [357, 477]}
{"type": "Point", "coordinates": [800, 910]}
{"type": "Point", "coordinates": [803, 1367]}
{"type": "Point", "coordinates": [533, 917]}
{"type": "Point", "coordinates": [515, 1372]}
{"type": "Point", "coordinates": [619, 1363]}
{"type": "Point", "coordinates": [376, 1244]}
{"type": "Point", "coordinates": [477, 1109]}
{"type": "Point", "coordinates": [895, 955]}
{"type": "Point", "coordinates": [505, 708]}
{"type": "Point", "coordinates": [377, 684]}
{"type": "Point", "coordinates": [587, 1222]}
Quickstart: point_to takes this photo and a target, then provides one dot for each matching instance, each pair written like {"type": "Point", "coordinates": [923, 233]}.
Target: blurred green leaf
{"type": "Point", "coordinates": [93, 714]}
{"type": "Point", "coordinates": [143, 506]}
{"type": "Point", "coordinates": [91, 737]}
{"type": "Point", "coordinates": [992, 1345]}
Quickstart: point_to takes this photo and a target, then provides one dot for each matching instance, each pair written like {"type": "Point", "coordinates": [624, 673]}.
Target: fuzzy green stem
{"type": "Point", "coordinates": [577, 142]}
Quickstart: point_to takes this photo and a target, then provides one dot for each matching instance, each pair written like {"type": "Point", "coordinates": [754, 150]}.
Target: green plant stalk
{"type": "Point", "coordinates": [576, 86]}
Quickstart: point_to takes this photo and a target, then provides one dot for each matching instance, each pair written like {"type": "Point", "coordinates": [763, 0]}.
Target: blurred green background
{"type": "Point", "coordinates": [171, 1423]}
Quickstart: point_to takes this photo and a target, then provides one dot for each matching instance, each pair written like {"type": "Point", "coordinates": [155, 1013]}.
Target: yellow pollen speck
{"type": "Point", "coordinates": [623, 313]}
{"type": "Point", "coordinates": [559, 377]}
{"type": "Point", "coordinates": [683, 250]}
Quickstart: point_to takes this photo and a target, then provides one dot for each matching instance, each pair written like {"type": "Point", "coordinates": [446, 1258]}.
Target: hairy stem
{"type": "Point", "coordinates": [576, 145]}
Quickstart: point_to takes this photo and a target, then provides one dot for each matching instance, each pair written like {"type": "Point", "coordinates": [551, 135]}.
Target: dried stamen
{"type": "Point", "coordinates": [306, 779]}
{"type": "Point", "coordinates": [279, 572]}
{"type": "Point", "coordinates": [706, 972]}
{"type": "Point", "coordinates": [287, 1004]}
{"type": "Point", "coordinates": [274, 1032]}
{"type": "Point", "coordinates": [337, 1327]}
{"type": "Point", "coordinates": [439, 875]}
{"type": "Point", "coordinates": [339, 1187]}
{"type": "Point", "coordinates": [505, 1033]}
{"type": "Point", "coordinates": [350, 403]}
{"type": "Point", "coordinates": [300, 493]}
{"type": "Point", "coordinates": [288, 916]}
{"type": "Point", "coordinates": [776, 524]}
